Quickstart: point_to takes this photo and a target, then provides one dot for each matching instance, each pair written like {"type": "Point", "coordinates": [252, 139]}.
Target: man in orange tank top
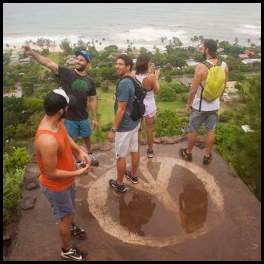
{"type": "Point", "coordinates": [55, 150]}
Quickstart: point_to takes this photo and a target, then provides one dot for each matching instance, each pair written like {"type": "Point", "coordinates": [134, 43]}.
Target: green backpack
{"type": "Point", "coordinates": [215, 82]}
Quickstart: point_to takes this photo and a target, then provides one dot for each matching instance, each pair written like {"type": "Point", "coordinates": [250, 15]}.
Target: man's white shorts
{"type": "Point", "coordinates": [126, 142]}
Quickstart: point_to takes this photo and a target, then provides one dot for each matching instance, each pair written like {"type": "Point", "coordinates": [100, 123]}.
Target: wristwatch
{"type": "Point", "coordinates": [113, 129]}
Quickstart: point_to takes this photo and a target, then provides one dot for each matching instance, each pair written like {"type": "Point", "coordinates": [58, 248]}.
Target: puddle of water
{"type": "Point", "coordinates": [142, 213]}
{"type": "Point", "coordinates": [191, 196]}
{"type": "Point", "coordinates": [145, 215]}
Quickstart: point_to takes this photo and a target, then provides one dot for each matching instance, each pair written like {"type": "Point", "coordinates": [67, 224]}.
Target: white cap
{"type": "Point", "coordinates": [61, 92]}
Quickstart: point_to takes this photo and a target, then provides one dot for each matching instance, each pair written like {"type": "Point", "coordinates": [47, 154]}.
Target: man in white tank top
{"type": "Point", "coordinates": [202, 112]}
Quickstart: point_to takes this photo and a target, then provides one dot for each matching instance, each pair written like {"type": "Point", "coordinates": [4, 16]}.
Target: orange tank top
{"type": "Point", "coordinates": [65, 160]}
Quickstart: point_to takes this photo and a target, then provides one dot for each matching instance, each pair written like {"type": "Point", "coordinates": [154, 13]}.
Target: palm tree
{"type": "Point", "coordinates": [248, 41]}
{"type": "Point", "coordinates": [201, 38]}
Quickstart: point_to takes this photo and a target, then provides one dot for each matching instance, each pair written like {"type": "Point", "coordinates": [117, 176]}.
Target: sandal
{"type": "Point", "coordinates": [185, 155]}
{"type": "Point", "coordinates": [207, 159]}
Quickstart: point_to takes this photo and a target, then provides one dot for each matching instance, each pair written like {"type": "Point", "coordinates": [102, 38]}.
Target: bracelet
{"type": "Point", "coordinates": [113, 129]}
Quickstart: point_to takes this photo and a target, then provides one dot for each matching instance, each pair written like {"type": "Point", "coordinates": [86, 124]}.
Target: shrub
{"type": "Point", "coordinates": [226, 116]}
{"type": "Point", "coordinates": [184, 98]}
{"type": "Point", "coordinates": [242, 151]}
{"type": "Point", "coordinates": [168, 124]}
{"type": "Point", "coordinates": [168, 78]}
{"type": "Point", "coordinates": [11, 192]}
{"type": "Point", "coordinates": [167, 94]}
{"type": "Point", "coordinates": [32, 104]}
{"type": "Point", "coordinates": [179, 88]}
{"type": "Point", "coordinates": [14, 166]}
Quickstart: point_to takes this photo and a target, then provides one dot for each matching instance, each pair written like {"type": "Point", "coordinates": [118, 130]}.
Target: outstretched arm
{"type": "Point", "coordinates": [42, 60]}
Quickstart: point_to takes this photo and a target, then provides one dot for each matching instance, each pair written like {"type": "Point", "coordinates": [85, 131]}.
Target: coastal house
{"type": "Point", "coordinates": [243, 56]}
{"type": "Point", "coordinates": [184, 80]}
{"type": "Point", "coordinates": [231, 92]}
{"type": "Point", "coordinates": [168, 66]}
{"type": "Point", "coordinates": [246, 128]}
{"type": "Point", "coordinates": [163, 50]}
{"type": "Point", "coordinates": [250, 61]}
{"type": "Point", "coordinates": [224, 56]}
{"type": "Point", "coordinates": [25, 60]}
{"type": "Point", "coordinates": [14, 58]}
{"type": "Point", "coordinates": [247, 54]}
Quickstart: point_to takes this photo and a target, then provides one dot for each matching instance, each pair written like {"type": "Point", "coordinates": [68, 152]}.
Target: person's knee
{"type": "Point", "coordinates": [149, 123]}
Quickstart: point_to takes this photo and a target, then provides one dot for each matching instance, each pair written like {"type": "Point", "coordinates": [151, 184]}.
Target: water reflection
{"type": "Point", "coordinates": [136, 212]}
{"type": "Point", "coordinates": [193, 204]}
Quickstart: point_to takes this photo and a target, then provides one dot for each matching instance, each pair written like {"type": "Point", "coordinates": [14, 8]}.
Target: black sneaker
{"type": "Point", "coordinates": [94, 161]}
{"type": "Point", "coordinates": [117, 187]}
{"type": "Point", "coordinates": [78, 232]}
{"type": "Point", "coordinates": [73, 254]}
{"type": "Point", "coordinates": [207, 159]}
{"type": "Point", "coordinates": [150, 153]}
{"type": "Point", "coordinates": [185, 155]}
{"type": "Point", "coordinates": [133, 179]}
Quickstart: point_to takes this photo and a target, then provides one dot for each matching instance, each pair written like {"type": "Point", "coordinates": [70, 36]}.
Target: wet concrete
{"type": "Point", "coordinates": [178, 211]}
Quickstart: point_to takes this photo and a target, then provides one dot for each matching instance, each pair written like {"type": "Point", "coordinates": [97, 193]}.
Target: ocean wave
{"type": "Point", "coordinates": [150, 34]}
{"type": "Point", "coordinates": [251, 26]}
{"type": "Point", "coordinates": [251, 30]}
{"type": "Point", "coordinates": [56, 38]}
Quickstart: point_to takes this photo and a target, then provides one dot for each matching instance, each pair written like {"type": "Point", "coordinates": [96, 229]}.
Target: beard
{"type": "Point", "coordinates": [80, 68]}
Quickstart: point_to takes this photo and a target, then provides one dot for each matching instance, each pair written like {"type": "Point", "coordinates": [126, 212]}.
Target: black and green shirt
{"type": "Point", "coordinates": [79, 88]}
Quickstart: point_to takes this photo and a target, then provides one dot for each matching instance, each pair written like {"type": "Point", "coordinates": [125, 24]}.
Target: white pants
{"type": "Point", "coordinates": [126, 142]}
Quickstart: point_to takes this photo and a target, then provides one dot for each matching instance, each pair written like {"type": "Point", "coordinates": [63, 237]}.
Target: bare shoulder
{"type": "Point", "coordinates": [200, 68]}
{"type": "Point", "coordinates": [46, 141]}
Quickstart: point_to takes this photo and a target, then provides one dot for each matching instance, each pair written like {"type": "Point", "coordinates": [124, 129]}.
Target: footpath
{"type": "Point", "coordinates": [178, 211]}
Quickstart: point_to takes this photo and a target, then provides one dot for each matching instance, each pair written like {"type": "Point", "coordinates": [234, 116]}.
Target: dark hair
{"type": "Point", "coordinates": [211, 45]}
{"type": "Point", "coordinates": [128, 61]}
{"type": "Point", "coordinates": [53, 103]}
{"type": "Point", "coordinates": [142, 63]}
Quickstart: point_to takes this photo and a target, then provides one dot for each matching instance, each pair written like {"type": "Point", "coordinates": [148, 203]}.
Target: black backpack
{"type": "Point", "coordinates": [138, 105]}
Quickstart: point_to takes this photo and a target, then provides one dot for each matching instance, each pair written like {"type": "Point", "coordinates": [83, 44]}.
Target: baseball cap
{"type": "Point", "coordinates": [85, 53]}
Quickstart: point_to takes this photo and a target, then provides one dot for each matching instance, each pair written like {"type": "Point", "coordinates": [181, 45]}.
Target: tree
{"type": "Point", "coordinates": [248, 41]}
{"type": "Point", "coordinates": [177, 42]}
{"type": "Point", "coordinates": [45, 52]}
{"type": "Point", "coordinates": [65, 46]}
{"type": "Point", "coordinates": [236, 41]}
{"type": "Point", "coordinates": [81, 44]}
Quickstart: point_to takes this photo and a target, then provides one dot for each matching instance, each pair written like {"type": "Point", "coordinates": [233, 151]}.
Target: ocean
{"type": "Point", "coordinates": [143, 24]}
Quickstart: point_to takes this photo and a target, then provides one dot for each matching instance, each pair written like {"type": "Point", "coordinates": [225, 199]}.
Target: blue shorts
{"type": "Point", "coordinates": [62, 203]}
{"type": "Point", "coordinates": [78, 128]}
{"type": "Point", "coordinates": [209, 118]}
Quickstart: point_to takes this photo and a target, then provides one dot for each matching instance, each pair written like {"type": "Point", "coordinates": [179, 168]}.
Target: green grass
{"type": "Point", "coordinates": [178, 107]}
{"type": "Point", "coordinates": [105, 107]}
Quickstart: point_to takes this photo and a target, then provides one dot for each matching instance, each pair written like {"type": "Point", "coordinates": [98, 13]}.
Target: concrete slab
{"type": "Point", "coordinates": [178, 211]}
